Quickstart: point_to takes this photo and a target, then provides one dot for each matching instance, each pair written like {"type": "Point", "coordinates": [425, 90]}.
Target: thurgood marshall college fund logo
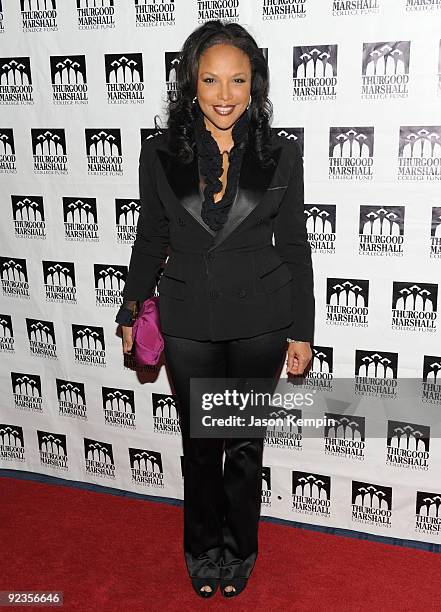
{"type": "Point", "coordinates": [321, 220]}
{"type": "Point", "coordinates": [408, 445]}
{"type": "Point", "coordinates": [288, 436]}
{"type": "Point", "coordinates": [351, 153]}
{"type": "Point", "coordinates": [59, 281]}
{"type": "Point", "coordinates": [69, 79]}
{"type": "Point", "coordinates": [104, 151]}
{"type": "Point", "coordinates": [385, 70]}
{"type": "Point", "coordinates": [321, 373]}
{"type": "Point", "coordinates": [423, 5]}
{"type": "Point", "coordinates": [124, 78]}
{"type": "Point", "coordinates": [7, 341]}
{"type": "Point", "coordinates": [12, 447]}
{"type": "Point", "coordinates": [165, 414]}
{"type": "Point", "coordinates": [371, 504]}
{"type": "Point", "coordinates": [311, 494]}
{"type": "Point", "coordinates": [38, 16]}
{"type": "Point", "coordinates": [376, 373]}
{"type": "Point", "coordinates": [414, 306]}
{"type": "Point", "coordinates": [88, 344]}
{"type": "Point", "coordinates": [14, 277]}
{"type": "Point", "coordinates": [7, 151]}
{"type": "Point", "coordinates": [93, 15]}
{"type": "Point", "coordinates": [419, 153]}
{"type": "Point", "coordinates": [431, 380]}
{"type": "Point", "coordinates": [283, 9]}
{"type": "Point", "coordinates": [109, 284]}
{"type": "Point", "coordinates": [375, 369]}
{"type": "Point", "coordinates": [80, 219]}
{"type": "Point", "coordinates": [355, 7]}
{"type": "Point", "coordinates": [28, 216]}
{"type": "Point", "coordinates": [217, 9]}
{"type": "Point", "coordinates": [126, 217]}
{"type": "Point", "coordinates": [98, 457]}
{"type": "Point", "coordinates": [428, 513]}
{"type": "Point", "coordinates": [49, 150]}
{"type": "Point", "coordinates": [71, 398]}
{"type": "Point", "coordinates": [315, 72]}
{"type": "Point", "coordinates": [347, 301]}
{"type": "Point", "coordinates": [149, 13]}
{"type": "Point", "coordinates": [346, 437]}
{"type": "Point", "coordinates": [26, 389]}
{"type": "Point", "coordinates": [146, 468]}
{"type": "Point", "coordinates": [119, 407]}
{"type": "Point", "coordinates": [16, 80]}
{"type": "Point", "coordinates": [53, 449]}
{"type": "Point", "coordinates": [41, 336]}
{"type": "Point", "coordinates": [381, 230]}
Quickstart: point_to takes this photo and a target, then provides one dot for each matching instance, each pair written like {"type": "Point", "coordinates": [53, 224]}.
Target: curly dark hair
{"type": "Point", "coordinates": [181, 111]}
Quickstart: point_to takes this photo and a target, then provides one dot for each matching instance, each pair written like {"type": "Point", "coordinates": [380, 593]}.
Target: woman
{"type": "Point", "coordinates": [213, 189]}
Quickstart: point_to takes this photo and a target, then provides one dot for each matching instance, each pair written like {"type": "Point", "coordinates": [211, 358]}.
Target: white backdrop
{"type": "Point", "coordinates": [358, 84]}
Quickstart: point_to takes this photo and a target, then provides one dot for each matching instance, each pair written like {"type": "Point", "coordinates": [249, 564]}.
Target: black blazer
{"type": "Point", "coordinates": [232, 283]}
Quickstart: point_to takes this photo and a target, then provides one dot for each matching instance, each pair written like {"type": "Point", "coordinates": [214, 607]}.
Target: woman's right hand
{"type": "Point", "coordinates": [127, 339]}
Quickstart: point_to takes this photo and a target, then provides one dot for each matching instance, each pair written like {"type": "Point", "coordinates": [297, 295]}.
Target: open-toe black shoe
{"type": "Point", "coordinates": [239, 585]}
{"type": "Point", "coordinates": [198, 583]}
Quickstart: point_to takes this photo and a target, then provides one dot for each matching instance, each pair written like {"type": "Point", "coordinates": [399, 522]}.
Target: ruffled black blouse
{"type": "Point", "coordinates": [215, 214]}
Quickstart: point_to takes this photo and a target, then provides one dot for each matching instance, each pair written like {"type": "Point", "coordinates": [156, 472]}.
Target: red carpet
{"type": "Point", "coordinates": [113, 553]}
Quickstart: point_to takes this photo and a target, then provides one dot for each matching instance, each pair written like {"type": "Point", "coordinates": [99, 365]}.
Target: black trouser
{"type": "Point", "coordinates": [221, 506]}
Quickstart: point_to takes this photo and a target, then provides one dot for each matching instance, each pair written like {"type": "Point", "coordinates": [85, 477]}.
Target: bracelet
{"type": "Point", "coordinates": [126, 316]}
{"type": "Point", "coordinates": [291, 340]}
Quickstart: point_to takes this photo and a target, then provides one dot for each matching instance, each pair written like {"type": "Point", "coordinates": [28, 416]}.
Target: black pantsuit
{"type": "Point", "coordinates": [221, 506]}
{"type": "Point", "coordinates": [228, 301]}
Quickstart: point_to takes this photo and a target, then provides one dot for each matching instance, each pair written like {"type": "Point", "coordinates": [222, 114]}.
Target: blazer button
{"type": "Point", "coordinates": [260, 220]}
{"type": "Point", "coordinates": [214, 294]}
{"type": "Point", "coordinates": [210, 255]}
{"type": "Point", "coordinates": [242, 293]}
{"type": "Point", "coordinates": [181, 221]}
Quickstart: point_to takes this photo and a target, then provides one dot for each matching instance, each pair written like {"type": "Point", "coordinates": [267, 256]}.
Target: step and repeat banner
{"type": "Point", "coordinates": [357, 83]}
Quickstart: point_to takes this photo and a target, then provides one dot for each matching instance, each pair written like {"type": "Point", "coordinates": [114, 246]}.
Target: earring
{"type": "Point", "coordinates": [194, 99]}
{"type": "Point", "coordinates": [249, 103]}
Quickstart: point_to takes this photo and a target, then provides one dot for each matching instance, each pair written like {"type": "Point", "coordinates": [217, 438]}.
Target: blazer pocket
{"type": "Point", "coordinates": [172, 287]}
{"type": "Point", "coordinates": [276, 278]}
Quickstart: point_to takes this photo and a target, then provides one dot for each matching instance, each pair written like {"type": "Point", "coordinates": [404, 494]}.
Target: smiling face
{"type": "Point", "coordinates": [224, 85]}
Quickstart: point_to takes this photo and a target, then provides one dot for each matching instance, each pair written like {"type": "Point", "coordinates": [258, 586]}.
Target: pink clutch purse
{"type": "Point", "coordinates": [148, 342]}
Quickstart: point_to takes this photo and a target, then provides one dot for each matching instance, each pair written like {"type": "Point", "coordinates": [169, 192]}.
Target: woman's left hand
{"type": "Point", "coordinates": [299, 355]}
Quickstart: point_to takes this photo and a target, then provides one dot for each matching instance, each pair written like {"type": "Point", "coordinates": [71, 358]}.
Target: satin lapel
{"type": "Point", "coordinates": [252, 189]}
{"type": "Point", "coordinates": [184, 183]}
